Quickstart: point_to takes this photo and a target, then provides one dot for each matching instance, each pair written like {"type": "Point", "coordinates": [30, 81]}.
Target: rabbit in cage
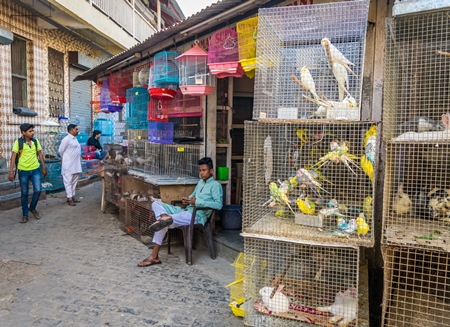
{"type": "Point", "coordinates": [439, 204]}
{"type": "Point", "coordinates": [428, 130]}
{"type": "Point", "coordinates": [344, 308]}
{"type": "Point", "coordinates": [279, 303]}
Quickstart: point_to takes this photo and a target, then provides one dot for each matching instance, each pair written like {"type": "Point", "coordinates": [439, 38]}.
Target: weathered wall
{"type": "Point", "coordinates": [23, 24]}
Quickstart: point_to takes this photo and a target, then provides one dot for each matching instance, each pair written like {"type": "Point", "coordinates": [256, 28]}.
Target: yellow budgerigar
{"type": "Point", "coordinates": [362, 228]}
{"type": "Point", "coordinates": [306, 206]}
{"type": "Point", "coordinates": [367, 167]}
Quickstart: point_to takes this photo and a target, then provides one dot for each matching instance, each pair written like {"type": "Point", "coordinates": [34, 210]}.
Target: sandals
{"type": "Point", "coordinates": [161, 224]}
{"type": "Point", "coordinates": [71, 202]}
{"type": "Point", "coordinates": [147, 263]}
{"type": "Point", "coordinates": [76, 200]}
{"type": "Point", "coordinates": [24, 220]}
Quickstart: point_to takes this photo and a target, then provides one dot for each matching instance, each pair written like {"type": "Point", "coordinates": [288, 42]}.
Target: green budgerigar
{"type": "Point", "coordinates": [278, 197]}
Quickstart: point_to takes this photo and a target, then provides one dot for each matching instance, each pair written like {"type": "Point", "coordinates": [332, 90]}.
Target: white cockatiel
{"type": "Point", "coordinates": [340, 73]}
{"type": "Point", "coordinates": [308, 81]}
{"type": "Point", "coordinates": [334, 55]}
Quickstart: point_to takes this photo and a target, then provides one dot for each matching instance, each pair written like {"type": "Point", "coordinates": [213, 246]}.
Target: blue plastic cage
{"type": "Point", "coordinates": [165, 68]}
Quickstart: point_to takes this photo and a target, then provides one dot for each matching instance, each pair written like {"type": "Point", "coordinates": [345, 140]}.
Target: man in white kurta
{"type": "Point", "coordinates": [70, 151]}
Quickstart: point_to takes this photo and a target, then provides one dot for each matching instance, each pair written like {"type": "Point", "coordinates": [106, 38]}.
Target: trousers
{"type": "Point", "coordinates": [70, 183]}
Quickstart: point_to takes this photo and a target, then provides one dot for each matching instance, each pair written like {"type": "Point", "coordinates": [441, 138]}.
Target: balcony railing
{"type": "Point", "coordinates": [127, 15]}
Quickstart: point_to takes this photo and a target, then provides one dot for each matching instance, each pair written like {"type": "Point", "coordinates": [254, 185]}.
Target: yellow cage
{"type": "Point", "coordinates": [247, 30]}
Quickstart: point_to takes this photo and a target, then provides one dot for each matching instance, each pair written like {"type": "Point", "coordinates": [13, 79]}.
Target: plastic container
{"type": "Point", "coordinates": [159, 132]}
{"type": "Point", "coordinates": [82, 138]}
{"type": "Point", "coordinates": [222, 173]}
{"type": "Point", "coordinates": [231, 217]}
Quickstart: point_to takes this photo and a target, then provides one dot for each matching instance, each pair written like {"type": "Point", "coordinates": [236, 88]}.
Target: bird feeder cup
{"type": "Point", "coordinates": [195, 78]}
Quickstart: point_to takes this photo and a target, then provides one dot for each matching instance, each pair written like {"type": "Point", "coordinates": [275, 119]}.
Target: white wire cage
{"type": "Point", "coordinates": [417, 80]}
{"type": "Point", "coordinates": [288, 284]}
{"type": "Point", "coordinates": [310, 181]}
{"type": "Point", "coordinates": [416, 287]}
{"type": "Point", "coordinates": [417, 195]}
{"type": "Point", "coordinates": [137, 138]}
{"type": "Point", "coordinates": [310, 61]}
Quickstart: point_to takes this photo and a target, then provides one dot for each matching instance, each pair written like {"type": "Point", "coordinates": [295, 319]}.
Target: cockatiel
{"type": "Point", "coordinates": [278, 197]}
{"type": "Point", "coordinates": [340, 73]}
{"type": "Point", "coordinates": [402, 203]}
{"type": "Point", "coordinates": [362, 228]}
{"type": "Point", "coordinates": [306, 206]}
{"type": "Point", "coordinates": [334, 55]}
{"type": "Point", "coordinates": [308, 81]}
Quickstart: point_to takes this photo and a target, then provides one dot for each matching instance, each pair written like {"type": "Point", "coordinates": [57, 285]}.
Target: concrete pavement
{"type": "Point", "coordinates": [75, 267]}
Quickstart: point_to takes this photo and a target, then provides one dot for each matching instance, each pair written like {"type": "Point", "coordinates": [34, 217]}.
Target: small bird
{"type": "Point", "coordinates": [334, 55]}
{"type": "Point", "coordinates": [306, 206]}
{"type": "Point", "coordinates": [402, 203]}
{"type": "Point", "coordinates": [368, 159]}
{"type": "Point", "coordinates": [362, 228]}
{"type": "Point", "coordinates": [308, 81]}
{"type": "Point", "coordinates": [351, 226]}
{"type": "Point", "coordinates": [278, 197]}
{"type": "Point", "coordinates": [439, 203]}
{"type": "Point", "coordinates": [341, 224]}
{"type": "Point", "coordinates": [340, 73]}
{"type": "Point", "coordinates": [367, 206]}
{"type": "Point", "coordinates": [119, 158]}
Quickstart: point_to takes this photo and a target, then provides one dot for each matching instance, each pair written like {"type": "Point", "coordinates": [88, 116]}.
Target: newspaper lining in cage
{"type": "Point", "coordinates": [417, 195]}
{"type": "Point", "coordinates": [316, 174]}
{"type": "Point", "coordinates": [416, 287]}
{"type": "Point", "coordinates": [312, 72]}
{"type": "Point", "coordinates": [417, 61]}
{"type": "Point", "coordinates": [307, 283]}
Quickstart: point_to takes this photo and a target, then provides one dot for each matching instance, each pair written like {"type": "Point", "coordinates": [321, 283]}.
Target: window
{"type": "Point", "coordinates": [19, 72]}
{"type": "Point", "coordinates": [56, 82]}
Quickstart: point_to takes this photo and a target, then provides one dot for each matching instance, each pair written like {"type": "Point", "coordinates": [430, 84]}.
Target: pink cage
{"type": "Point", "coordinates": [185, 105]}
{"type": "Point", "coordinates": [159, 110]}
{"type": "Point", "coordinates": [223, 54]}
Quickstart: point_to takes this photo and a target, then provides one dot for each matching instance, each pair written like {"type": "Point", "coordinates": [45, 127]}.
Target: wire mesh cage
{"type": "Point", "coordinates": [302, 175]}
{"type": "Point", "coordinates": [417, 90]}
{"type": "Point", "coordinates": [153, 158]}
{"type": "Point", "coordinates": [247, 31]}
{"type": "Point", "coordinates": [186, 105]}
{"type": "Point", "coordinates": [416, 287]}
{"type": "Point", "coordinates": [310, 61]}
{"type": "Point", "coordinates": [223, 54]}
{"type": "Point", "coordinates": [313, 284]}
{"type": "Point", "coordinates": [137, 101]}
{"type": "Point", "coordinates": [181, 160]}
{"type": "Point", "coordinates": [119, 83]}
{"type": "Point", "coordinates": [417, 195]}
{"type": "Point", "coordinates": [166, 67]}
{"type": "Point", "coordinates": [159, 110]}
{"type": "Point", "coordinates": [137, 138]}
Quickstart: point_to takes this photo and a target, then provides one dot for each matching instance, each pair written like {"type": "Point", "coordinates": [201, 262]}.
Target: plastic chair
{"type": "Point", "coordinates": [188, 233]}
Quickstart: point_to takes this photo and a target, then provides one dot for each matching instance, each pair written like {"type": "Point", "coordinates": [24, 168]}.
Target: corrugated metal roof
{"type": "Point", "coordinates": [171, 35]}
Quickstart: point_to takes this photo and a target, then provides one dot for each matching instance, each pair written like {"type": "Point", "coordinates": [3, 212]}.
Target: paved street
{"type": "Point", "coordinates": [75, 267]}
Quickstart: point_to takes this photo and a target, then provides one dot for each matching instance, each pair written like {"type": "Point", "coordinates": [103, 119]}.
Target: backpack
{"type": "Point", "coordinates": [21, 141]}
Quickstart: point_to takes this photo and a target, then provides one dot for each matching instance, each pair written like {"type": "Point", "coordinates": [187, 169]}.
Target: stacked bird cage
{"type": "Point", "coordinates": [309, 165]}
{"type": "Point", "coordinates": [310, 61]}
{"type": "Point", "coordinates": [416, 210]}
{"type": "Point", "coordinates": [180, 160]}
{"type": "Point", "coordinates": [416, 287]}
{"type": "Point", "coordinates": [137, 138]}
{"type": "Point", "coordinates": [293, 283]}
{"type": "Point", "coordinates": [137, 101]}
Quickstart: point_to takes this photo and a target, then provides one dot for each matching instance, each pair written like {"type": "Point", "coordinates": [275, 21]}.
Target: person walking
{"type": "Point", "coordinates": [93, 144]}
{"type": "Point", "coordinates": [28, 149]}
{"type": "Point", "coordinates": [70, 151]}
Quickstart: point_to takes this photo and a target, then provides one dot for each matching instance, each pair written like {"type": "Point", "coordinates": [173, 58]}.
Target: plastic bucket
{"type": "Point", "coordinates": [231, 217]}
{"type": "Point", "coordinates": [222, 173]}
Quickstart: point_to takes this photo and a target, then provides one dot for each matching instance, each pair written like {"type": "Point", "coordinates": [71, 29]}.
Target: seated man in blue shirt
{"type": "Point", "coordinates": [207, 193]}
{"type": "Point", "coordinates": [93, 142]}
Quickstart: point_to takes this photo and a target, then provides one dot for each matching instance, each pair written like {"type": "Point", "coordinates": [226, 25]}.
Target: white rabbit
{"type": "Point", "coordinates": [278, 304]}
{"type": "Point", "coordinates": [344, 308]}
{"type": "Point", "coordinates": [428, 136]}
